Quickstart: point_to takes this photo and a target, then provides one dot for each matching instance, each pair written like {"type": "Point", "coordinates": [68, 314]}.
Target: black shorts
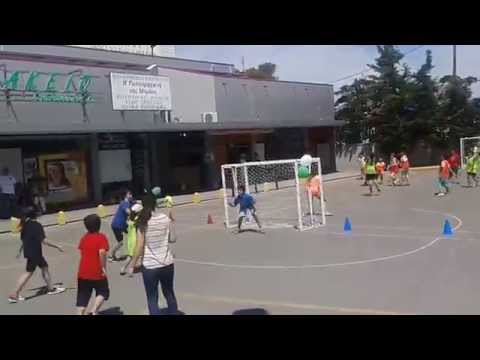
{"type": "Point", "coordinates": [118, 234]}
{"type": "Point", "coordinates": [86, 287]}
{"type": "Point", "coordinates": [371, 177]}
{"type": "Point", "coordinates": [33, 263]}
{"type": "Point", "coordinates": [472, 174]}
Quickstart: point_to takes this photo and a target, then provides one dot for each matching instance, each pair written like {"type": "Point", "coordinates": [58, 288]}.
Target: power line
{"type": "Point", "coordinates": [368, 69]}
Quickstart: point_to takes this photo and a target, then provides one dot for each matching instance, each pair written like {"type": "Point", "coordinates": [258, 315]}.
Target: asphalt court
{"type": "Point", "coordinates": [394, 261]}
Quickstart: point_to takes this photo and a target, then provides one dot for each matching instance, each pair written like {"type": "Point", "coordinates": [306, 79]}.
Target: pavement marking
{"type": "Point", "coordinates": [317, 266]}
{"type": "Point", "coordinates": [255, 302]}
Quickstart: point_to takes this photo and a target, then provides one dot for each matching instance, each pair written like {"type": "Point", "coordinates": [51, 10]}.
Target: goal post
{"type": "Point", "coordinates": [282, 197]}
{"type": "Point", "coordinates": [468, 145]}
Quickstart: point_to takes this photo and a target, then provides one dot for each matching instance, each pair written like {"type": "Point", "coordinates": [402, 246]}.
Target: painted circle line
{"type": "Point", "coordinates": [318, 266]}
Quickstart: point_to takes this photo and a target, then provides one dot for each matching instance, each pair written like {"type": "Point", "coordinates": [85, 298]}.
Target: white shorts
{"type": "Point", "coordinates": [248, 213]}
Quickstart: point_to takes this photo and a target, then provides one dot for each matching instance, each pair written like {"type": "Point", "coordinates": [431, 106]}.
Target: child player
{"type": "Point", "coordinates": [371, 174]}
{"type": "Point", "coordinates": [247, 207]}
{"type": "Point", "coordinates": [314, 187]}
{"type": "Point", "coordinates": [131, 235]}
{"type": "Point", "coordinates": [393, 168]}
{"type": "Point", "coordinates": [473, 165]}
{"type": "Point", "coordinates": [92, 272]}
{"type": "Point", "coordinates": [404, 168]}
{"type": "Point", "coordinates": [33, 239]}
{"type": "Point", "coordinates": [454, 161]}
{"type": "Point", "coordinates": [443, 176]}
{"type": "Point", "coordinates": [380, 167]}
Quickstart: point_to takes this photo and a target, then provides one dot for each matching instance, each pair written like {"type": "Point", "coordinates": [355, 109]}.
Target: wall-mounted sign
{"type": "Point", "coordinates": [140, 92]}
{"type": "Point", "coordinates": [33, 86]}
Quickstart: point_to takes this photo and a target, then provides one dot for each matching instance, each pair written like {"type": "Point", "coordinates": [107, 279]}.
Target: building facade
{"type": "Point", "coordinates": [57, 119]}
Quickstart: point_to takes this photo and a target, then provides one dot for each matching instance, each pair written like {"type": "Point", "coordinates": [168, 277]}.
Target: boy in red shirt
{"type": "Point", "coordinates": [443, 176]}
{"type": "Point", "coordinates": [92, 272]}
{"type": "Point", "coordinates": [454, 161]}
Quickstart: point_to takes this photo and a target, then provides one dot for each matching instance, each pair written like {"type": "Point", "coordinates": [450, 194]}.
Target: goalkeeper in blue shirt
{"type": "Point", "coordinates": [247, 207]}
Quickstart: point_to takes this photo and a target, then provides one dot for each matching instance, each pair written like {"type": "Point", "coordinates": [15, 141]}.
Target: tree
{"type": "Point", "coordinates": [396, 107]}
{"type": "Point", "coordinates": [352, 106]}
{"type": "Point", "coordinates": [390, 95]}
{"type": "Point", "coordinates": [264, 71]}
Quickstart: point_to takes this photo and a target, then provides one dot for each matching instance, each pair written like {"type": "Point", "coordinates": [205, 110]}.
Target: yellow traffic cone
{"type": "Point", "coordinates": [101, 211]}
{"type": "Point", "coordinates": [14, 225]}
{"type": "Point", "coordinates": [61, 218]}
{"type": "Point", "coordinates": [196, 198]}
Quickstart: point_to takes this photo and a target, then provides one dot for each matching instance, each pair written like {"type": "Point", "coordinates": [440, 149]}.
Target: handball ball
{"type": "Point", "coordinates": [303, 172]}
{"type": "Point", "coordinates": [306, 160]}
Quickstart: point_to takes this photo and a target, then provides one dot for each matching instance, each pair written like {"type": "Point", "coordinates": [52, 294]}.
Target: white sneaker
{"type": "Point", "coordinates": [13, 300]}
{"type": "Point", "coordinates": [56, 290]}
{"type": "Point", "coordinates": [441, 194]}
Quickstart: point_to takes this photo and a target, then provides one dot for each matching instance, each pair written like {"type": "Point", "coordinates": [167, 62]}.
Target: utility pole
{"type": "Point", "coordinates": [454, 73]}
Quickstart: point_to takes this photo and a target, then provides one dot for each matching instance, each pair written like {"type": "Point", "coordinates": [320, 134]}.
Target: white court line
{"type": "Point", "coordinates": [318, 266]}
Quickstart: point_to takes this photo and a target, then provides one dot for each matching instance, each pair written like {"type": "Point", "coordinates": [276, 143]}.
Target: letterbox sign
{"type": "Point", "coordinates": [33, 86]}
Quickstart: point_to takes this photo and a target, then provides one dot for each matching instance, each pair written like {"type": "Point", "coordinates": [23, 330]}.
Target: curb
{"type": "Point", "coordinates": [163, 207]}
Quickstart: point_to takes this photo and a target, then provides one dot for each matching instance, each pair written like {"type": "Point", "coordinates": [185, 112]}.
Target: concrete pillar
{"type": "Point", "coordinates": [306, 142]}
{"type": "Point", "coordinates": [95, 169]}
{"type": "Point", "coordinates": [211, 173]}
{"type": "Point", "coordinates": [147, 158]}
{"type": "Point", "coordinates": [253, 141]}
{"type": "Point", "coordinates": [155, 171]}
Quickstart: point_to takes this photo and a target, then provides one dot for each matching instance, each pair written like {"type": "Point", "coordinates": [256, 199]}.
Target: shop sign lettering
{"type": "Point", "coordinates": [46, 87]}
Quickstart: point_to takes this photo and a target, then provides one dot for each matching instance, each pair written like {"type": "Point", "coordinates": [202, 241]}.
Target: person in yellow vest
{"type": "Point", "coordinates": [131, 236]}
{"type": "Point", "coordinates": [473, 165]}
{"type": "Point", "coordinates": [371, 174]}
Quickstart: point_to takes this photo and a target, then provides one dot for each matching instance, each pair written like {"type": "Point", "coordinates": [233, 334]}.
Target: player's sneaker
{"type": "Point", "coordinates": [13, 300]}
{"type": "Point", "coordinates": [56, 290]}
{"type": "Point", "coordinates": [440, 194]}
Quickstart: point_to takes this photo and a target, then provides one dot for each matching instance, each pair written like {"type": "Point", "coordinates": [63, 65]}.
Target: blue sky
{"type": "Point", "coordinates": [327, 63]}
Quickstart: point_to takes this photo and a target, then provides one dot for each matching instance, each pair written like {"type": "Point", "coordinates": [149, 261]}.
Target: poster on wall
{"type": "Point", "coordinates": [66, 176]}
{"type": "Point", "coordinates": [60, 173]}
{"type": "Point", "coordinates": [140, 92]}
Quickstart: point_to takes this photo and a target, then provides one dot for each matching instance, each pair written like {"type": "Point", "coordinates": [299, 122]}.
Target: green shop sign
{"type": "Point", "coordinates": [32, 86]}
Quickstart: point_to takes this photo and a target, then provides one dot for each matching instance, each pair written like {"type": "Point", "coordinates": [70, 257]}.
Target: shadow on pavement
{"type": "Point", "coordinates": [254, 311]}
{"type": "Point", "coordinates": [115, 310]}
{"type": "Point", "coordinates": [40, 291]}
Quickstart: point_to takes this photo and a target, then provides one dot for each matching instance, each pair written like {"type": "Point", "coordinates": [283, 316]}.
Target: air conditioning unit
{"type": "Point", "coordinates": [209, 117]}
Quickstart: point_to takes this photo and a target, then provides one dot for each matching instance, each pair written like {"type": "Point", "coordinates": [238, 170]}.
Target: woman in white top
{"type": "Point", "coordinates": [154, 236]}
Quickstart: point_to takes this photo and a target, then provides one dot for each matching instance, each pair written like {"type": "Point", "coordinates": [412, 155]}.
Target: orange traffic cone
{"type": "Point", "coordinates": [210, 219]}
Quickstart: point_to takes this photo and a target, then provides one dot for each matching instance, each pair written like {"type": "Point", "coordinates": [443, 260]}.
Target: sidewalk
{"type": "Point", "coordinates": [78, 215]}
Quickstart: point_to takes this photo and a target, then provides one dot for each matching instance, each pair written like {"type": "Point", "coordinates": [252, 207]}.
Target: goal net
{"type": "Point", "coordinates": [282, 197]}
{"type": "Point", "coordinates": [468, 146]}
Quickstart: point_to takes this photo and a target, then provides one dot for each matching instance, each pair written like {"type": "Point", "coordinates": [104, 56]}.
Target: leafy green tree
{"type": "Point", "coordinates": [264, 71]}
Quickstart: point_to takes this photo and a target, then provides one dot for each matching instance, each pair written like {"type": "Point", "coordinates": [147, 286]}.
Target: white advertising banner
{"type": "Point", "coordinates": [140, 92]}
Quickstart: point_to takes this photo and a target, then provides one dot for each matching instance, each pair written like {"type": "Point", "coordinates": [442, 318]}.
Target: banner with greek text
{"type": "Point", "coordinates": [140, 92]}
